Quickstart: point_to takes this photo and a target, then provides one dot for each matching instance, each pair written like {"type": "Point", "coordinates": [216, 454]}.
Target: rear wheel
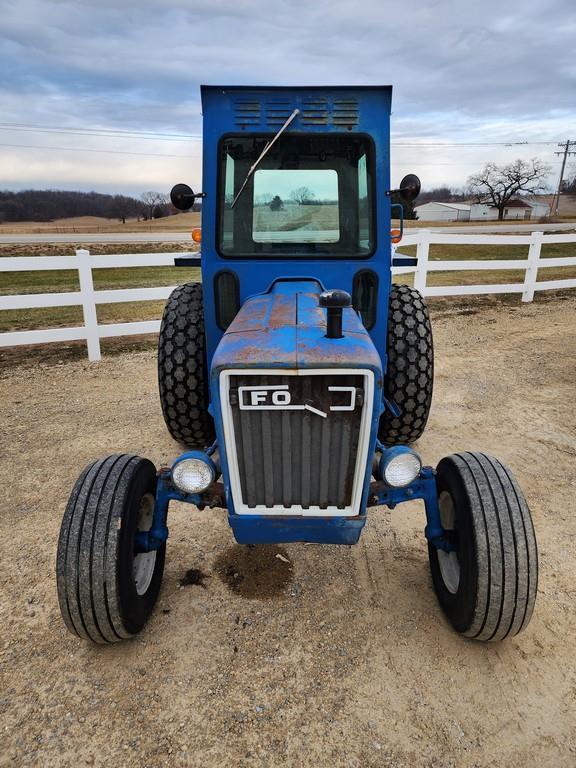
{"type": "Point", "coordinates": [182, 368]}
{"type": "Point", "coordinates": [487, 585]}
{"type": "Point", "coordinates": [410, 375]}
{"type": "Point", "coordinates": [106, 590]}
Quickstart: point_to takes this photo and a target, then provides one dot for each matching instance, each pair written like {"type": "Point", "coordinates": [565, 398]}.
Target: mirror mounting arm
{"type": "Point", "coordinates": [409, 188]}
{"type": "Point", "coordinates": [182, 197]}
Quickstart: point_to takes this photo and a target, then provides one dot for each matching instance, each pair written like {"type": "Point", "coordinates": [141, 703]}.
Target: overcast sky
{"type": "Point", "coordinates": [462, 72]}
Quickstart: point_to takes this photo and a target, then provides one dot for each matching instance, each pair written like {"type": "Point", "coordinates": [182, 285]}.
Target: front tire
{"type": "Point", "coordinates": [487, 586]}
{"type": "Point", "coordinates": [106, 591]}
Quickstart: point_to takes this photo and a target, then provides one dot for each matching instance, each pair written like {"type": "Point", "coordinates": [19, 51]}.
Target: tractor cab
{"type": "Point", "coordinates": [297, 377]}
{"type": "Point", "coordinates": [296, 184]}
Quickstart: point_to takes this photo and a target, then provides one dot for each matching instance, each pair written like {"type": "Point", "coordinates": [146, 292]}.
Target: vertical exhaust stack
{"type": "Point", "coordinates": [334, 302]}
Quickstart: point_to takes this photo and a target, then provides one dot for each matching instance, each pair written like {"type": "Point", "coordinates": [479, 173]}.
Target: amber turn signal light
{"type": "Point", "coordinates": [197, 235]}
{"type": "Point", "coordinates": [396, 235]}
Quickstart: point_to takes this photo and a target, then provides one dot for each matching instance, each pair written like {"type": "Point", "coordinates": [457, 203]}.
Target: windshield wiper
{"type": "Point", "coordinates": [263, 154]}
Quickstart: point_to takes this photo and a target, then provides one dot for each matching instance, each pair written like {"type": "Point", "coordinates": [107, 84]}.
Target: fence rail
{"type": "Point", "coordinates": [84, 262]}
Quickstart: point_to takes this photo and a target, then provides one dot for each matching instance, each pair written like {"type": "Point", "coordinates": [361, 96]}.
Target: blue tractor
{"type": "Point", "coordinates": [296, 376]}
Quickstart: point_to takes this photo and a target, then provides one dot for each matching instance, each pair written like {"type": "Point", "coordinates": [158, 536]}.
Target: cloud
{"type": "Point", "coordinates": [461, 72]}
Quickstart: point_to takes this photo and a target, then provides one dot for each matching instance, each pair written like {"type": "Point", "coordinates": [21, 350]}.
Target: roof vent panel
{"type": "Point", "coordinates": [315, 111]}
{"type": "Point", "coordinates": [345, 112]}
{"type": "Point", "coordinates": [247, 112]}
{"type": "Point", "coordinates": [278, 111]}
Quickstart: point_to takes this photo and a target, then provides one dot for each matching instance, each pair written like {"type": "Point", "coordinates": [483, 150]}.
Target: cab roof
{"type": "Point", "coordinates": [321, 107]}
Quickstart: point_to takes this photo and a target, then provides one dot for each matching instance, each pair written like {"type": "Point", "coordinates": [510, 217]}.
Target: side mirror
{"type": "Point", "coordinates": [410, 187]}
{"type": "Point", "coordinates": [182, 197]}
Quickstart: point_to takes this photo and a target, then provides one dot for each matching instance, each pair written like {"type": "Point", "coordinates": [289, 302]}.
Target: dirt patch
{"type": "Point", "coordinates": [350, 664]}
{"type": "Point", "coordinates": [194, 576]}
{"type": "Point", "coordinates": [261, 571]}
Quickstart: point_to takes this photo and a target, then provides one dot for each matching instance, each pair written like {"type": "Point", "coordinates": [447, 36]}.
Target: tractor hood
{"type": "Point", "coordinates": [285, 328]}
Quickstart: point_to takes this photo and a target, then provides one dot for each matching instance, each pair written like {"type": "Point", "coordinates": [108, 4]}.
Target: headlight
{"type": "Point", "coordinates": [399, 466]}
{"type": "Point", "coordinates": [193, 474]}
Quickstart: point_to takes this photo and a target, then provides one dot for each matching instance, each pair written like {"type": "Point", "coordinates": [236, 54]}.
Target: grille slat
{"type": "Point", "coordinates": [266, 459]}
{"type": "Point", "coordinates": [286, 460]}
{"type": "Point", "coordinates": [324, 460]}
{"type": "Point", "coordinates": [296, 457]}
{"type": "Point", "coordinates": [246, 453]}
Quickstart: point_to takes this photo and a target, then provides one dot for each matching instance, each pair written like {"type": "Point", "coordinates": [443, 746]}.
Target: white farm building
{"type": "Point", "coordinates": [516, 209]}
{"type": "Point", "coordinates": [443, 212]}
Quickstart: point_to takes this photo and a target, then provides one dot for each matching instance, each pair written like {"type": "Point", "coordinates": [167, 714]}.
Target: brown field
{"type": "Point", "coordinates": [295, 217]}
{"type": "Point", "coordinates": [181, 222]}
{"type": "Point", "coordinates": [184, 222]}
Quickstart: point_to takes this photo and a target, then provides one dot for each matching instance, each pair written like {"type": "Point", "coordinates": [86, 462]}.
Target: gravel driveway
{"type": "Point", "coordinates": [338, 657]}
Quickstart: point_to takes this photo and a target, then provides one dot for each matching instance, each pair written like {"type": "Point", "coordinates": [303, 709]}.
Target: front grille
{"type": "Point", "coordinates": [288, 457]}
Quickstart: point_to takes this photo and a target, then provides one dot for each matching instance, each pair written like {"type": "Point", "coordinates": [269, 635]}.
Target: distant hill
{"type": "Point", "coordinates": [48, 205]}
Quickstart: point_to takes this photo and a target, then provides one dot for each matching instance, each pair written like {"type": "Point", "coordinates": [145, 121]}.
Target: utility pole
{"type": "Point", "coordinates": [567, 151]}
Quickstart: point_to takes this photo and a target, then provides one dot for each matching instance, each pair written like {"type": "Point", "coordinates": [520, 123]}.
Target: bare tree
{"type": "Point", "coordinates": [301, 195]}
{"type": "Point", "coordinates": [497, 184]}
{"type": "Point", "coordinates": [151, 201]}
{"type": "Point", "coordinates": [264, 199]}
{"type": "Point", "coordinates": [569, 186]}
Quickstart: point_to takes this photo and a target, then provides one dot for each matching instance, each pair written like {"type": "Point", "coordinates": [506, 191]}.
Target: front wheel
{"type": "Point", "coordinates": [106, 589]}
{"type": "Point", "coordinates": [487, 585]}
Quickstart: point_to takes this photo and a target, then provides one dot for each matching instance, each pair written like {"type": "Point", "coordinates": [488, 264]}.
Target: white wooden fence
{"type": "Point", "coordinates": [88, 298]}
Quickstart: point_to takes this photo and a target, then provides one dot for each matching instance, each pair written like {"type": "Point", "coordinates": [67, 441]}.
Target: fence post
{"type": "Point", "coordinates": [422, 253]}
{"type": "Point", "coordinates": [88, 304]}
{"type": "Point", "coordinates": [531, 274]}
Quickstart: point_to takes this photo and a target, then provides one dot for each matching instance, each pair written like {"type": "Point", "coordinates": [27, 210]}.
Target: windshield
{"type": "Point", "coordinates": [310, 195]}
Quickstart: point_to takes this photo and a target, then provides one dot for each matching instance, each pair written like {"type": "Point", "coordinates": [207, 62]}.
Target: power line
{"type": "Point", "coordinates": [423, 163]}
{"type": "Point", "coordinates": [66, 132]}
{"type": "Point", "coordinates": [108, 132]}
{"type": "Point", "coordinates": [154, 135]}
{"type": "Point", "coordinates": [473, 144]}
{"type": "Point", "coordinates": [104, 151]}
{"type": "Point", "coordinates": [418, 161]}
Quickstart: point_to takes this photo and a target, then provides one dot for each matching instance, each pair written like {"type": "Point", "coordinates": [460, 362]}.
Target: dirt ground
{"type": "Point", "coordinates": [339, 657]}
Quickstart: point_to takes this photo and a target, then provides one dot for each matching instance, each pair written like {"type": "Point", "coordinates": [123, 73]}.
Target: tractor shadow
{"type": "Point", "coordinates": [256, 571]}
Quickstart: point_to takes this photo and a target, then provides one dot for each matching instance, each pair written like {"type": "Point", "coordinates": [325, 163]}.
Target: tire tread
{"type": "Point", "coordinates": [182, 370]}
{"type": "Point", "coordinates": [505, 547]}
{"type": "Point", "coordinates": [409, 379]}
{"type": "Point", "coordinates": [88, 550]}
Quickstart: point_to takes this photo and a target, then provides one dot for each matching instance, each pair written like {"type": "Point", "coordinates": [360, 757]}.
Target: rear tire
{"type": "Point", "coordinates": [106, 591]}
{"type": "Point", "coordinates": [183, 375]}
{"type": "Point", "coordinates": [487, 587]}
{"type": "Point", "coordinates": [410, 376]}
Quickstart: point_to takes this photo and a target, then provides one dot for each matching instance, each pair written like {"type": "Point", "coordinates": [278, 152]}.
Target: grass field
{"type": "Point", "coordinates": [49, 281]}
{"type": "Point", "coordinates": [61, 281]}
{"type": "Point", "coordinates": [180, 222]}
{"type": "Point", "coordinates": [487, 253]}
